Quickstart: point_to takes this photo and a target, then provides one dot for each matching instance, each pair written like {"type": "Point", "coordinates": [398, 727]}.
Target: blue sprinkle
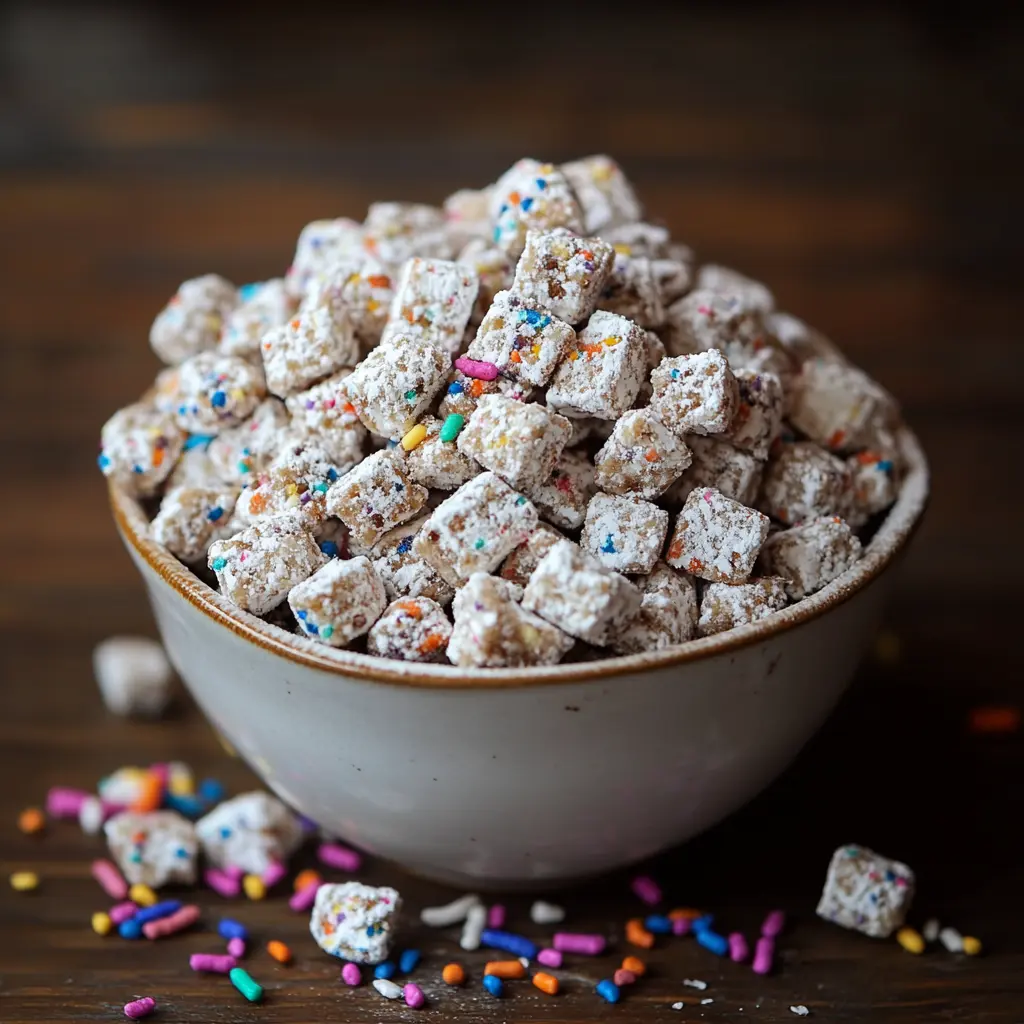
{"type": "Point", "coordinates": [608, 547]}
{"type": "Point", "coordinates": [455, 388]}
{"type": "Point", "coordinates": [229, 929]}
{"type": "Point", "coordinates": [130, 929]}
{"type": "Point", "coordinates": [608, 991]}
{"type": "Point", "coordinates": [158, 910]}
{"type": "Point", "coordinates": [884, 465]}
{"type": "Point", "coordinates": [517, 945]}
{"type": "Point", "coordinates": [384, 970]}
{"type": "Point", "coordinates": [700, 923]}
{"type": "Point", "coordinates": [392, 444]}
{"type": "Point", "coordinates": [301, 615]}
{"type": "Point", "coordinates": [675, 375]}
{"type": "Point", "coordinates": [211, 790]}
{"type": "Point", "coordinates": [399, 487]}
{"type": "Point", "coordinates": [137, 469]}
{"type": "Point", "coordinates": [218, 399]}
{"type": "Point", "coordinates": [494, 985]}
{"type": "Point", "coordinates": [329, 548]}
{"type": "Point", "coordinates": [541, 184]}
{"type": "Point", "coordinates": [198, 441]}
{"type": "Point", "coordinates": [890, 876]}
{"type": "Point", "coordinates": [408, 960]}
{"type": "Point", "coordinates": [658, 924]}
{"type": "Point", "coordinates": [215, 513]}
{"type": "Point", "coordinates": [405, 545]}
{"type": "Point", "coordinates": [250, 291]}
{"type": "Point", "coordinates": [181, 852]}
{"type": "Point", "coordinates": [312, 627]}
{"type": "Point", "coordinates": [189, 806]}
{"type": "Point", "coordinates": [497, 234]}
{"type": "Point", "coordinates": [225, 832]}
{"type": "Point", "coordinates": [526, 202]}
{"type": "Point", "coordinates": [103, 461]}
{"type": "Point", "coordinates": [332, 474]}
{"type": "Point", "coordinates": [713, 942]}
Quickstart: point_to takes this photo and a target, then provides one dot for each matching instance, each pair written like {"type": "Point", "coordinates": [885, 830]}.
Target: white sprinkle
{"type": "Point", "coordinates": [546, 913]}
{"type": "Point", "coordinates": [800, 1010]}
{"type": "Point", "coordinates": [525, 961]}
{"type": "Point", "coordinates": [695, 983]}
{"type": "Point", "coordinates": [952, 940]}
{"type": "Point", "coordinates": [387, 988]}
{"type": "Point", "coordinates": [930, 931]}
{"type": "Point", "coordinates": [704, 1002]}
{"type": "Point", "coordinates": [678, 1006]}
{"type": "Point", "coordinates": [476, 919]}
{"type": "Point", "coordinates": [451, 913]}
{"type": "Point", "coordinates": [90, 815]}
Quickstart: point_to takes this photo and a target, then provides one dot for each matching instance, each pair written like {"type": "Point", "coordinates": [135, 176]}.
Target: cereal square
{"type": "Point", "coordinates": [519, 566]}
{"type": "Point", "coordinates": [874, 484]}
{"type": "Point", "coordinates": [673, 278]}
{"type": "Point", "coordinates": [758, 418]}
{"type": "Point", "coordinates": [563, 273]}
{"type": "Point", "coordinates": [217, 392]}
{"type": "Point", "coordinates": [474, 529]}
{"type": "Point", "coordinates": [705, 319]}
{"type": "Point", "coordinates": [494, 271]}
{"type": "Point", "coordinates": [462, 392]}
{"type": "Point", "coordinates": [395, 232]}
{"type": "Point", "coordinates": [245, 451]}
{"type": "Point", "coordinates": [562, 499]}
{"type": "Point", "coordinates": [191, 519]}
{"type": "Point", "coordinates": [324, 415]}
{"type": "Point", "coordinates": [195, 468]}
{"type": "Point", "coordinates": [439, 464]}
{"type": "Point", "coordinates": [812, 555]}
{"type": "Point", "coordinates": [139, 446]}
{"type": "Point", "coordinates": [642, 456]}
{"type": "Point", "coordinates": [803, 481]}
{"type": "Point", "coordinates": [191, 322]}
{"type": "Point", "coordinates": [355, 922]}
{"type": "Point", "coordinates": [467, 216]}
{"type": "Point", "coordinates": [358, 287]}
{"type": "Point", "coordinates": [411, 629]}
{"type": "Point", "coordinates": [728, 605]}
{"type": "Point", "coordinates": [604, 193]}
{"type": "Point", "coordinates": [725, 280]}
{"type": "Point", "coordinates": [250, 832]}
{"type": "Point", "coordinates": [640, 239]}
{"type": "Point", "coordinates": [154, 849]}
{"type": "Point", "coordinates": [531, 196]}
{"type": "Point", "coordinates": [296, 481]}
{"type": "Point", "coordinates": [402, 571]}
{"type": "Point", "coordinates": [632, 290]}
{"type": "Point", "coordinates": [520, 441]}
{"type": "Point", "coordinates": [667, 616]}
{"type": "Point", "coordinates": [624, 533]}
{"type": "Point", "coordinates": [866, 892]}
{"type": "Point", "coordinates": [695, 394]}
{"type": "Point", "coordinates": [339, 602]}
{"type": "Point", "coordinates": [602, 375]}
{"type": "Point", "coordinates": [264, 304]}
{"type": "Point", "coordinates": [322, 243]}
{"type": "Point", "coordinates": [717, 538]}
{"type": "Point", "coordinates": [718, 465]}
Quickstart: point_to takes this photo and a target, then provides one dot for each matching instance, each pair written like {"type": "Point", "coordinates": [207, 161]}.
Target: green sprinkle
{"type": "Point", "coordinates": [451, 426]}
{"type": "Point", "coordinates": [249, 988]}
{"type": "Point", "coordinates": [326, 632]}
{"type": "Point", "coordinates": [320, 488]}
{"type": "Point", "coordinates": [410, 396]}
{"type": "Point", "coordinates": [479, 543]}
{"type": "Point", "coordinates": [218, 564]}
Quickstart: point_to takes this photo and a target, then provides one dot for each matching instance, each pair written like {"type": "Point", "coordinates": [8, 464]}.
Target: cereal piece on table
{"type": "Point", "coordinates": [362, 287]}
{"type": "Point", "coordinates": [519, 566]}
{"type": "Point", "coordinates": [325, 416]}
{"type": "Point", "coordinates": [728, 605]}
{"type": "Point", "coordinates": [640, 238]}
{"type": "Point", "coordinates": [605, 196]}
{"type": "Point", "coordinates": [874, 485]}
{"type": "Point", "coordinates": [810, 555]}
{"type": "Point", "coordinates": [695, 394]}
{"type": "Point", "coordinates": [247, 450]}
{"type": "Point", "coordinates": [191, 519]}
{"type": "Point", "coordinates": [632, 290]}
{"type": "Point", "coordinates": [642, 456]}
{"type": "Point", "coordinates": [339, 602]}
{"type": "Point", "coordinates": [474, 529]}
{"type": "Point", "coordinates": [217, 392]}
{"type": "Point", "coordinates": [395, 384]}
{"type": "Point", "coordinates": [257, 567]}
{"type": "Point", "coordinates": [395, 232]}
{"type": "Point", "coordinates": [524, 343]}
{"type": "Point", "coordinates": [563, 273]}
{"type": "Point", "coordinates": [571, 589]}
{"type": "Point", "coordinates": [839, 406]}
{"type": "Point", "coordinates": [191, 322]}
{"type": "Point", "coordinates": [493, 631]}
{"type": "Point", "coordinates": [562, 499]}
{"type": "Point", "coordinates": [520, 441]}
{"type": "Point", "coordinates": [602, 375]}
{"type": "Point", "coordinates": [249, 832]}
{"type": "Point", "coordinates": [133, 674]}
{"type": "Point", "coordinates": [139, 447]}
{"type": "Point", "coordinates": [355, 922]}
{"type": "Point", "coordinates": [802, 481]}
{"type": "Point", "coordinates": [316, 342]}
{"type": "Point", "coordinates": [673, 278]}
{"type": "Point", "coordinates": [866, 892]}
{"type": "Point", "coordinates": [402, 571]}
{"type": "Point", "coordinates": [462, 392]}
{"type": "Point", "coordinates": [297, 481]}
{"type": "Point", "coordinates": [264, 304]}
{"type": "Point", "coordinates": [531, 196]}
{"type": "Point", "coordinates": [154, 849]}
{"type": "Point", "coordinates": [467, 216]}
{"type": "Point", "coordinates": [322, 243]}
{"type": "Point", "coordinates": [433, 302]}
{"type": "Point", "coordinates": [667, 616]}
{"type": "Point", "coordinates": [716, 538]}
{"type": "Point", "coordinates": [375, 497]}
{"type": "Point", "coordinates": [439, 463]}
{"type": "Point", "coordinates": [758, 418]}
{"type": "Point", "coordinates": [801, 341]}
{"type": "Point", "coordinates": [494, 271]}
{"type": "Point", "coordinates": [705, 319]}
{"type": "Point", "coordinates": [714, 278]}
{"type": "Point", "coordinates": [624, 533]}
{"type": "Point", "coordinates": [411, 629]}
{"type": "Point", "coordinates": [718, 465]}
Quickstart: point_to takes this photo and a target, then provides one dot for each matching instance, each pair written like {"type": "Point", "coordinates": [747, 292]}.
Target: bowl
{"type": "Point", "coordinates": [522, 777]}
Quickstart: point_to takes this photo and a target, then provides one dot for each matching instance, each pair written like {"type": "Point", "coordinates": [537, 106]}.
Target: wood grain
{"type": "Point", "coordinates": [865, 164]}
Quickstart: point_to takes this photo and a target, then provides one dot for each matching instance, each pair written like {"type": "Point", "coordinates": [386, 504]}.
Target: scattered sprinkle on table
{"type": "Point", "coordinates": [800, 1010]}
{"type": "Point", "coordinates": [139, 1008]}
{"type": "Point", "coordinates": [688, 982]}
{"type": "Point", "coordinates": [245, 984]}
{"type": "Point", "coordinates": [24, 881]}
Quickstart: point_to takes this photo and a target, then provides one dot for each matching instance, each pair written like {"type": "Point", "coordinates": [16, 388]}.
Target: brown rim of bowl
{"type": "Point", "coordinates": [890, 539]}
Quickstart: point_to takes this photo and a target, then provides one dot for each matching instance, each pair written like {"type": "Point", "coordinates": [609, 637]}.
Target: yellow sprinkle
{"type": "Point", "coordinates": [142, 894]}
{"type": "Point", "coordinates": [622, 249]}
{"type": "Point", "coordinates": [972, 946]}
{"type": "Point", "coordinates": [574, 355]}
{"type": "Point", "coordinates": [415, 437]}
{"type": "Point", "coordinates": [910, 940]}
{"type": "Point", "coordinates": [352, 278]}
{"type": "Point", "coordinates": [254, 887]}
{"type": "Point", "coordinates": [372, 305]}
{"type": "Point", "coordinates": [101, 923]}
{"type": "Point", "coordinates": [612, 341]}
{"type": "Point", "coordinates": [24, 881]}
{"type": "Point", "coordinates": [291, 489]}
{"type": "Point", "coordinates": [181, 784]}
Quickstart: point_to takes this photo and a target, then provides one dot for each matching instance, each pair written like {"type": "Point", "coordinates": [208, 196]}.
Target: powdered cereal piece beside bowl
{"type": "Point", "coordinates": [154, 849]}
{"type": "Point", "coordinates": [250, 832]}
{"type": "Point", "coordinates": [355, 922]}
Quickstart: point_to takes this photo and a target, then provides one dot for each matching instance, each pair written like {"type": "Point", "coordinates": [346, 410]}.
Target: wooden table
{"type": "Point", "coordinates": [865, 165]}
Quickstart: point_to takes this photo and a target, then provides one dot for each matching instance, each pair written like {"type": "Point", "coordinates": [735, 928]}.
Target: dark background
{"type": "Point", "coordinates": [866, 162]}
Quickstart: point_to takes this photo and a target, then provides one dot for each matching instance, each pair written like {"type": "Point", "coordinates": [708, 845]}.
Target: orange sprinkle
{"type": "Point", "coordinates": [995, 719]}
{"type": "Point", "coordinates": [349, 408]}
{"type": "Point", "coordinates": [836, 439]}
{"type": "Point", "coordinates": [675, 549]}
{"type": "Point", "coordinates": [586, 254]}
{"type": "Point", "coordinates": [279, 951]}
{"type": "Point", "coordinates": [591, 350]}
{"type": "Point", "coordinates": [411, 608]}
{"type": "Point", "coordinates": [546, 983]}
{"type": "Point", "coordinates": [31, 820]}
{"type": "Point", "coordinates": [295, 323]}
{"type": "Point", "coordinates": [637, 934]}
{"type": "Point", "coordinates": [150, 795]}
{"type": "Point", "coordinates": [505, 968]}
{"type": "Point", "coordinates": [682, 913]}
{"type": "Point", "coordinates": [158, 457]}
{"type": "Point", "coordinates": [257, 503]}
{"type": "Point", "coordinates": [379, 281]}
{"type": "Point", "coordinates": [476, 389]}
{"type": "Point", "coordinates": [515, 357]}
{"type": "Point", "coordinates": [652, 455]}
{"type": "Point", "coordinates": [513, 197]}
{"type": "Point", "coordinates": [866, 458]}
{"type": "Point", "coordinates": [694, 566]}
{"type": "Point", "coordinates": [304, 879]}
{"type": "Point", "coordinates": [453, 974]}
{"type": "Point", "coordinates": [634, 964]}
{"type": "Point", "coordinates": [432, 643]}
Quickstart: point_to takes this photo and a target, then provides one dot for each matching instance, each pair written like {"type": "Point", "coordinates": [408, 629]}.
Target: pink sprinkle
{"type": "Point", "coordinates": [176, 922]}
{"type": "Point", "coordinates": [334, 855]}
{"type": "Point", "coordinates": [233, 871]}
{"type": "Point", "coordinates": [681, 926]}
{"type": "Point", "coordinates": [304, 898]}
{"type": "Point", "coordinates": [773, 924]}
{"type": "Point", "coordinates": [122, 911]}
{"type": "Point", "coordinates": [707, 497]}
{"type": "Point", "coordinates": [162, 772]}
{"type": "Point", "coordinates": [110, 878]}
{"type": "Point", "coordinates": [647, 889]}
{"type": "Point", "coordinates": [140, 1008]}
{"type": "Point", "coordinates": [274, 874]}
{"type": "Point", "coordinates": [577, 942]}
{"type": "Point", "coordinates": [496, 916]}
{"type": "Point", "coordinates": [64, 802]}
{"type": "Point", "coordinates": [550, 958]}
{"type": "Point", "coordinates": [763, 954]}
{"type": "Point", "coordinates": [476, 368]}
{"type": "Point", "coordinates": [623, 977]}
{"type": "Point", "coordinates": [413, 996]}
{"type": "Point", "coordinates": [351, 975]}
{"type": "Point", "coordinates": [212, 962]}
{"type": "Point", "coordinates": [222, 883]}
{"type": "Point", "coordinates": [738, 948]}
{"type": "Point", "coordinates": [236, 948]}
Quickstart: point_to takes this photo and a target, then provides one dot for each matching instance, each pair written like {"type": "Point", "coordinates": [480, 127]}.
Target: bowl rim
{"type": "Point", "coordinates": [888, 542]}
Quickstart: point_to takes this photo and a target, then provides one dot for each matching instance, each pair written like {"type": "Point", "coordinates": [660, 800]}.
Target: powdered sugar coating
{"type": "Point", "coordinates": [324, 415]}
{"type": "Point", "coordinates": [706, 319]}
{"type": "Point", "coordinates": [874, 484]}
{"type": "Point", "coordinates": [217, 392]}
{"type": "Point", "coordinates": [402, 571]}
{"type": "Point", "coordinates": [531, 195]}
{"type": "Point", "coordinates": [624, 533]}
{"type": "Point", "coordinates": [395, 232]}
{"type": "Point", "coordinates": [296, 481]}
{"type": "Point", "coordinates": [250, 832]}
{"type": "Point", "coordinates": [494, 271]}
{"type": "Point", "coordinates": [263, 305]}
{"type": "Point", "coordinates": [803, 481]}
{"type": "Point", "coordinates": [866, 892]}
{"type": "Point", "coordinates": [411, 629]}
{"type": "Point", "coordinates": [439, 464]}
{"type": "Point", "coordinates": [605, 196]}
{"type": "Point", "coordinates": [754, 294]}
{"type": "Point", "coordinates": [800, 340]}
{"type": "Point", "coordinates": [811, 555]}
{"type": "Point", "coordinates": [758, 418]}
{"type": "Point", "coordinates": [695, 394]}
{"type": "Point", "coordinates": [355, 922]}
{"type": "Point", "coordinates": [728, 605]}
{"type": "Point", "coordinates": [672, 278]}
{"type": "Point", "coordinates": [667, 616]}
{"type": "Point", "coordinates": [191, 518]}
{"type": "Point", "coordinates": [632, 290]}
{"type": "Point", "coordinates": [574, 591]}
{"type": "Point", "coordinates": [717, 538]}
{"type": "Point", "coordinates": [358, 286]}
{"type": "Point", "coordinates": [642, 456]}
{"type": "Point", "coordinates": [562, 499]}
{"type": "Point", "coordinates": [339, 602]}
{"type": "Point", "coordinates": [242, 453]}
{"type": "Point", "coordinates": [154, 849]}
{"type": "Point", "coordinates": [139, 446]}
{"type": "Point", "coordinates": [322, 243]}
{"type": "Point", "coordinates": [718, 465]}
{"type": "Point", "coordinates": [191, 322]}
{"type": "Point", "coordinates": [467, 216]}
{"type": "Point", "coordinates": [519, 566]}
{"type": "Point", "coordinates": [640, 239]}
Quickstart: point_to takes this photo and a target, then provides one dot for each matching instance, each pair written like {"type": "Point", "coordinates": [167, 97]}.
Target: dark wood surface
{"type": "Point", "coordinates": [866, 165]}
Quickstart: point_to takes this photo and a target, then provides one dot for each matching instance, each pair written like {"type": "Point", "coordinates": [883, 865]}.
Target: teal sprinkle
{"type": "Point", "coordinates": [326, 632]}
{"type": "Point", "coordinates": [479, 543]}
{"type": "Point", "coordinates": [410, 396]}
{"type": "Point", "coordinates": [320, 488]}
{"type": "Point", "coordinates": [218, 564]}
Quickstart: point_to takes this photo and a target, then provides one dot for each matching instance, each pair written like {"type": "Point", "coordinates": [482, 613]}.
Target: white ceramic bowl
{"type": "Point", "coordinates": [514, 776]}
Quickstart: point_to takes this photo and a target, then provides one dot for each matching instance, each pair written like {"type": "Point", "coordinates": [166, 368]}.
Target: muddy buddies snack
{"type": "Point", "coordinates": [250, 832]}
{"type": "Point", "coordinates": [297, 482]}
{"type": "Point", "coordinates": [243, 452]}
{"type": "Point", "coordinates": [321, 243]}
{"type": "Point", "coordinates": [519, 566]}
{"type": "Point", "coordinates": [624, 532]}
{"type": "Point", "coordinates": [667, 616]}
{"type": "Point", "coordinates": [191, 322]}
{"type": "Point", "coordinates": [325, 416]}
{"type": "Point", "coordinates": [216, 392]}
{"type": "Point", "coordinates": [562, 498]}
{"type": "Point", "coordinates": [396, 232]}
{"type": "Point", "coordinates": [718, 465]}
{"type": "Point", "coordinates": [866, 892]}
{"type": "Point", "coordinates": [803, 481]}
{"type": "Point", "coordinates": [641, 457]}
{"type": "Point", "coordinates": [494, 271]}
{"type": "Point", "coordinates": [154, 849]}
{"type": "Point", "coordinates": [358, 287]}
{"type": "Point", "coordinates": [263, 305]}
{"type": "Point", "coordinates": [604, 193]}
{"type": "Point", "coordinates": [728, 605]}
{"type": "Point", "coordinates": [191, 519]}
{"type": "Point", "coordinates": [355, 922]}
{"type": "Point", "coordinates": [461, 393]}
{"type": "Point", "coordinates": [402, 571]}
{"type": "Point", "coordinates": [695, 394]}
{"type": "Point", "coordinates": [433, 302]}
{"type": "Point", "coordinates": [411, 629]}
{"type": "Point", "coordinates": [339, 602]}
{"type": "Point", "coordinates": [139, 447]}
{"type": "Point", "coordinates": [531, 195]}
{"type": "Point", "coordinates": [436, 460]}
{"type": "Point", "coordinates": [811, 555]}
